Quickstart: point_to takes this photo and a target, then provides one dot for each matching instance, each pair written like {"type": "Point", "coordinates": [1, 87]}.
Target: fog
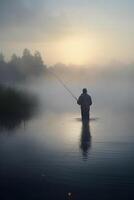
{"type": "Point", "coordinates": [109, 85]}
{"type": "Point", "coordinates": [50, 147]}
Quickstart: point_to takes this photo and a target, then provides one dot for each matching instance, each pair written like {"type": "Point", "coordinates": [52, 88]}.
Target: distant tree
{"type": "Point", "coordinates": [2, 57]}
{"type": "Point", "coordinates": [15, 61]}
{"type": "Point", "coordinates": [21, 68]}
{"type": "Point", "coordinates": [38, 63]}
{"type": "Point", "coordinates": [3, 68]}
{"type": "Point", "coordinates": [27, 61]}
{"type": "Point", "coordinates": [14, 58]}
{"type": "Point", "coordinates": [27, 57]}
{"type": "Point", "coordinates": [26, 53]}
{"type": "Point", "coordinates": [38, 58]}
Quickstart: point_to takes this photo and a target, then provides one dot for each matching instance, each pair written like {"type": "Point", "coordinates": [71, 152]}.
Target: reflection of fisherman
{"type": "Point", "coordinates": [85, 102]}
{"type": "Point", "coordinates": [85, 140]}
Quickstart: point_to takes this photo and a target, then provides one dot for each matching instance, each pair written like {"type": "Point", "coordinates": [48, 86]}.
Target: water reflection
{"type": "Point", "coordinates": [10, 123]}
{"type": "Point", "coordinates": [85, 140]}
{"type": "Point", "coordinates": [13, 120]}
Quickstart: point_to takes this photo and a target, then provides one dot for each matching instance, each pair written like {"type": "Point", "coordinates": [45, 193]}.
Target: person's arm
{"type": "Point", "coordinates": [90, 101]}
{"type": "Point", "coordinates": [79, 100]}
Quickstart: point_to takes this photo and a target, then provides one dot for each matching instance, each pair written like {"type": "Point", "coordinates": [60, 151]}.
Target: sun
{"type": "Point", "coordinates": [75, 50]}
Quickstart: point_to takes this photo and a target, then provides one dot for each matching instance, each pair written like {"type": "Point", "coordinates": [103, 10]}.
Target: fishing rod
{"type": "Point", "coordinates": [62, 83]}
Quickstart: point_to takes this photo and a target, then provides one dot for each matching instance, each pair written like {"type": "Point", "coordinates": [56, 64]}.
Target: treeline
{"type": "Point", "coordinates": [21, 68]}
{"type": "Point", "coordinates": [111, 71]}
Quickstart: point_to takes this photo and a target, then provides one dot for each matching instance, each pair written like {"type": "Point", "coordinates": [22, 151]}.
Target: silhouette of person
{"type": "Point", "coordinates": [85, 140]}
{"type": "Point", "coordinates": [85, 102]}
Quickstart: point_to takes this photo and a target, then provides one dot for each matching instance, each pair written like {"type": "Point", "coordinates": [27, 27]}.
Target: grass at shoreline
{"type": "Point", "coordinates": [15, 106]}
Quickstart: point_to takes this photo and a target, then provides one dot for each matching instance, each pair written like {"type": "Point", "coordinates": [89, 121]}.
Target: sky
{"type": "Point", "coordinates": [77, 32]}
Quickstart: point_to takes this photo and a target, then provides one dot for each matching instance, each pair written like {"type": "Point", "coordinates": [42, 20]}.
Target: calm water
{"type": "Point", "coordinates": [52, 156]}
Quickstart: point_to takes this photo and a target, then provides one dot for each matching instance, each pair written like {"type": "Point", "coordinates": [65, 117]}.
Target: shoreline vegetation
{"type": "Point", "coordinates": [21, 68]}
{"type": "Point", "coordinates": [16, 106]}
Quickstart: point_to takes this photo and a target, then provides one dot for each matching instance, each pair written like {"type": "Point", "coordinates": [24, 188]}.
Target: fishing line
{"type": "Point", "coordinates": [62, 83]}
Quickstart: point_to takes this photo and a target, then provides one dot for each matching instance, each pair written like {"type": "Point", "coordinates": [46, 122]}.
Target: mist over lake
{"type": "Point", "coordinates": [52, 156]}
{"type": "Point", "coordinates": [66, 100]}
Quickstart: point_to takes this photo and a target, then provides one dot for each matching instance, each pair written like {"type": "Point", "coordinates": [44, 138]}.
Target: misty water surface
{"type": "Point", "coordinates": [53, 156]}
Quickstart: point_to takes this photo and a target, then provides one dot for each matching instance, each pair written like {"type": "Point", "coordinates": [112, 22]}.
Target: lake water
{"type": "Point", "coordinates": [54, 156]}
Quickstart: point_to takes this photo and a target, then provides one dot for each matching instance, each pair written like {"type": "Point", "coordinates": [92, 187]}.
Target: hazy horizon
{"type": "Point", "coordinates": [77, 32]}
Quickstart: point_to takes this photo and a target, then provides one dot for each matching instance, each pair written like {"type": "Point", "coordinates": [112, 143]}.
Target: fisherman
{"type": "Point", "coordinates": [85, 102]}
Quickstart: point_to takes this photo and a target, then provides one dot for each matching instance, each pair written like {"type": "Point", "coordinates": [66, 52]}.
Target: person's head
{"type": "Point", "coordinates": [84, 90]}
